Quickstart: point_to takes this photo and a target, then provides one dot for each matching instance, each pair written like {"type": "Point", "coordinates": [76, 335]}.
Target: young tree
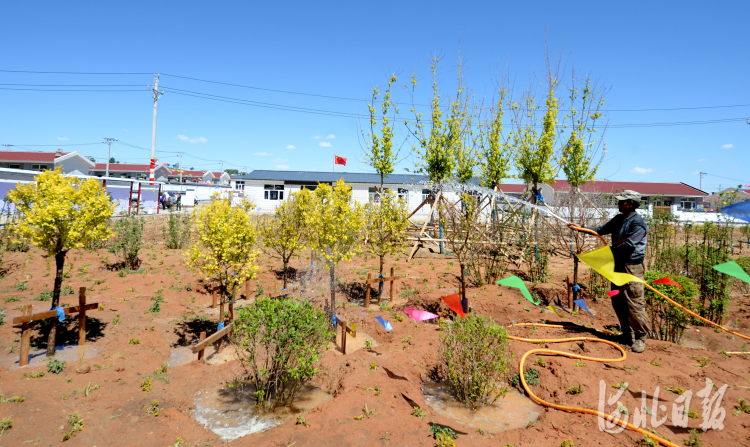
{"type": "Point", "coordinates": [495, 149]}
{"type": "Point", "coordinates": [385, 227]}
{"type": "Point", "coordinates": [381, 155]}
{"type": "Point", "coordinates": [284, 233]}
{"type": "Point", "coordinates": [223, 245]}
{"type": "Point", "coordinates": [335, 222]}
{"type": "Point", "coordinates": [61, 213]}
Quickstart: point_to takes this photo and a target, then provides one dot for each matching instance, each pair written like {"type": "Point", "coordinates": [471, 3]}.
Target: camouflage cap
{"type": "Point", "coordinates": [628, 194]}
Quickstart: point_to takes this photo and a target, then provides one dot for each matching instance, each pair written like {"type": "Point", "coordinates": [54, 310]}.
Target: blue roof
{"type": "Point", "coordinates": [330, 177]}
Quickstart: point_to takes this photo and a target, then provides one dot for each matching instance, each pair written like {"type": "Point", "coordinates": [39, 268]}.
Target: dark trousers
{"type": "Point", "coordinates": [630, 305]}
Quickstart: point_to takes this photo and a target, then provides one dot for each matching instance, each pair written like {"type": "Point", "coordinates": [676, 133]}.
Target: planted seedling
{"type": "Point", "coordinates": [301, 420]}
{"type": "Point", "coordinates": [367, 413]}
{"type": "Point", "coordinates": [578, 389]}
{"type": "Point", "coordinates": [744, 407]}
{"type": "Point", "coordinates": [55, 366]}
{"type": "Point", "coordinates": [134, 341]}
{"type": "Point", "coordinates": [676, 390]}
{"type": "Point", "coordinates": [418, 412]}
{"type": "Point", "coordinates": [620, 386]}
{"type": "Point", "coordinates": [76, 425]}
{"type": "Point", "coordinates": [154, 408]}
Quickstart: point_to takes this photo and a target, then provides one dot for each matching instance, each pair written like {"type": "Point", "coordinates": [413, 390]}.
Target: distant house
{"type": "Point", "coordinates": [268, 188]}
{"type": "Point", "coordinates": [68, 162]}
{"type": "Point", "coordinates": [725, 197]}
{"type": "Point", "coordinates": [161, 173]}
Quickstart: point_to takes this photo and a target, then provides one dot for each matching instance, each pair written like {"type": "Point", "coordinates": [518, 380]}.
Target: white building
{"type": "Point", "coordinates": [68, 162]}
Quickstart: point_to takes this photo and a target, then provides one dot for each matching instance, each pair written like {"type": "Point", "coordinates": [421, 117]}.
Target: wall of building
{"type": "Point", "coordinates": [72, 164]}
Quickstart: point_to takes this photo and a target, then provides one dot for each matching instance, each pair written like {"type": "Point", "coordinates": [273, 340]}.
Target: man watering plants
{"type": "Point", "coordinates": [629, 231]}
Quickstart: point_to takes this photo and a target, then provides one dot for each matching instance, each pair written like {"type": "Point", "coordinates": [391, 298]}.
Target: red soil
{"type": "Point", "coordinates": [114, 415]}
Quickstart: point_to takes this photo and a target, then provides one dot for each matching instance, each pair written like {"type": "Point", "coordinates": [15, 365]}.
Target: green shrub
{"type": "Point", "coordinates": [177, 230]}
{"type": "Point", "coordinates": [475, 358]}
{"type": "Point", "coordinates": [55, 366]}
{"type": "Point", "coordinates": [291, 335]}
{"type": "Point", "coordinates": [744, 262]}
{"type": "Point", "coordinates": [127, 242]}
{"type": "Point", "coordinates": [667, 321]}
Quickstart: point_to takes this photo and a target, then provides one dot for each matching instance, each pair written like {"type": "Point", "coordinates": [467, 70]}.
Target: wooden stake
{"type": "Point", "coordinates": [221, 311]}
{"type": "Point", "coordinates": [570, 293]}
{"type": "Point", "coordinates": [82, 324]}
{"type": "Point", "coordinates": [367, 291]}
{"type": "Point", "coordinates": [247, 290]}
{"type": "Point", "coordinates": [202, 351]}
{"type": "Point", "coordinates": [391, 294]}
{"type": "Point", "coordinates": [231, 311]}
{"type": "Point", "coordinates": [213, 297]}
{"type": "Point", "coordinates": [343, 339]}
{"type": "Point", "coordinates": [25, 338]}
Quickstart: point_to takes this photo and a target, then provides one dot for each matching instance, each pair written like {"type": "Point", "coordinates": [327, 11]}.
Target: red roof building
{"type": "Point", "coordinates": [68, 162]}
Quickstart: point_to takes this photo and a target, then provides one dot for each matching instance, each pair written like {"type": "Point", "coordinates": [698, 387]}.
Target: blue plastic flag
{"type": "Point", "coordinates": [221, 326]}
{"type": "Point", "coordinates": [60, 313]}
{"type": "Point", "coordinates": [582, 305]}
{"type": "Point", "coordinates": [386, 324]}
{"type": "Point", "coordinates": [334, 320]}
{"type": "Point", "coordinates": [738, 210]}
{"type": "Point", "coordinates": [576, 288]}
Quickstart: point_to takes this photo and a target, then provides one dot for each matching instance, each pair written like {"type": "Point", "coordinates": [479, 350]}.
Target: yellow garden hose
{"type": "Point", "coordinates": [580, 357]}
{"type": "Point", "coordinates": [595, 359]}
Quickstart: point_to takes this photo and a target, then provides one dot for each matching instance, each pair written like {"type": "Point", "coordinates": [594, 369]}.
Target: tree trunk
{"type": "Point", "coordinates": [333, 291]}
{"type": "Point", "coordinates": [380, 286]}
{"type": "Point", "coordinates": [286, 264]}
{"type": "Point", "coordinates": [59, 266]}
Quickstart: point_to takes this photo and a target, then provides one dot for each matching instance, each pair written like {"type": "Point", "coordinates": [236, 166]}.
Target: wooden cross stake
{"type": "Point", "coordinates": [371, 280]}
{"type": "Point", "coordinates": [345, 328]}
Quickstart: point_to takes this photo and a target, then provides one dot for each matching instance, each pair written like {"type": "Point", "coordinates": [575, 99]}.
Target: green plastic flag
{"type": "Point", "coordinates": [731, 268]}
{"type": "Point", "coordinates": [515, 281]}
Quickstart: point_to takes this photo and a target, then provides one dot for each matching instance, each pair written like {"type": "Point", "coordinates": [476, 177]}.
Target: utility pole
{"type": "Point", "coordinates": [701, 174]}
{"type": "Point", "coordinates": [181, 168]}
{"type": "Point", "coordinates": [7, 146]}
{"type": "Point", "coordinates": [109, 142]}
{"type": "Point", "coordinates": [155, 93]}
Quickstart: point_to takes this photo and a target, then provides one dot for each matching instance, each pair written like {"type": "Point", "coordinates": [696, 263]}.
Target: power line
{"type": "Point", "coordinates": [76, 85]}
{"type": "Point", "coordinates": [67, 90]}
{"type": "Point", "coordinates": [290, 92]}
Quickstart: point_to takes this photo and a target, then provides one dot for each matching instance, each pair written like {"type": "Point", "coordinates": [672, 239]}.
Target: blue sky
{"type": "Point", "coordinates": [652, 54]}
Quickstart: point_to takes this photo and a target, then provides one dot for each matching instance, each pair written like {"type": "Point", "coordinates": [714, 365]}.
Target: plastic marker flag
{"type": "Point", "coordinates": [334, 320]}
{"type": "Point", "coordinates": [552, 308]}
{"type": "Point", "coordinates": [60, 313]}
{"type": "Point", "coordinates": [419, 315]}
{"type": "Point", "coordinates": [731, 268]}
{"type": "Point", "coordinates": [582, 305]}
{"type": "Point", "coordinates": [603, 262]}
{"type": "Point", "coordinates": [667, 281]}
{"type": "Point", "coordinates": [612, 293]}
{"type": "Point", "coordinates": [738, 210]}
{"type": "Point", "coordinates": [386, 324]}
{"type": "Point", "coordinates": [454, 302]}
{"type": "Point", "coordinates": [515, 281]}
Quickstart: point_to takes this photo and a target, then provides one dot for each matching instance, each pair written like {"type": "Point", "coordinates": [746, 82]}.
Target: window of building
{"type": "Point", "coordinates": [14, 166]}
{"type": "Point", "coordinates": [373, 194]}
{"type": "Point", "coordinates": [39, 167]}
{"type": "Point", "coordinates": [310, 187]}
{"type": "Point", "coordinates": [425, 194]}
{"type": "Point", "coordinates": [239, 185]}
{"type": "Point", "coordinates": [403, 194]}
{"type": "Point", "coordinates": [687, 203]}
{"type": "Point", "coordinates": [273, 192]}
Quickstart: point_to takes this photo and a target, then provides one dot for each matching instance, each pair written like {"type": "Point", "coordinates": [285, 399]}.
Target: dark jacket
{"type": "Point", "coordinates": [628, 238]}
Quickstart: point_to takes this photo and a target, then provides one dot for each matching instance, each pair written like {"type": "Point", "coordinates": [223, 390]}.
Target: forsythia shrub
{"type": "Point", "coordinates": [223, 245]}
{"type": "Point", "coordinates": [279, 342]}
{"type": "Point", "coordinates": [60, 213]}
{"type": "Point", "coordinates": [475, 357]}
{"type": "Point", "coordinates": [667, 321]}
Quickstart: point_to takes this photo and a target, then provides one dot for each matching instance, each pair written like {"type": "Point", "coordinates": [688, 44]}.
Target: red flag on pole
{"type": "Point", "coordinates": [339, 160]}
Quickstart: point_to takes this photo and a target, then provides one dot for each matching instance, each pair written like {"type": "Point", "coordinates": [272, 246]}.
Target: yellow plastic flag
{"type": "Point", "coordinates": [552, 308]}
{"type": "Point", "coordinates": [603, 261]}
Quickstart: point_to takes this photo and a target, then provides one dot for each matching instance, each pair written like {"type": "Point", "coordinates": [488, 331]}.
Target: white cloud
{"type": "Point", "coordinates": [63, 138]}
{"type": "Point", "coordinates": [638, 170]}
{"type": "Point", "coordinates": [282, 167]}
{"type": "Point", "coordinates": [696, 172]}
{"type": "Point", "coordinates": [701, 160]}
{"type": "Point", "coordinates": [331, 136]}
{"type": "Point", "coordinates": [324, 144]}
{"type": "Point", "coordinates": [262, 154]}
{"type": "Point", "coordinates": [670, 172]}
{"type": "Point", "coordinates": [280, 160]}
{"type": "Point", "coordinates": [317, 137]}
{"type": "Point", "coordinates": [291, 147]}
{"type": "Point", "coordinates": [723, 146]}
{"type": "Point", "coordinates": [191, 140]}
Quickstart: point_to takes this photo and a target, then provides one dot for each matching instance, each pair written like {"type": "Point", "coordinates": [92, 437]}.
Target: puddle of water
{"type": "Point", "coordinates": [231, 412]}
{"type": "Point", "coordinates": [507, 413]}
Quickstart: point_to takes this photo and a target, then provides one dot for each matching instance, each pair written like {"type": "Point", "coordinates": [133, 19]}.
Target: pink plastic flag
{"type": "Point", "coordinates": [419, 315]}
{"type": "Point", "coordinates": [612, 293]}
